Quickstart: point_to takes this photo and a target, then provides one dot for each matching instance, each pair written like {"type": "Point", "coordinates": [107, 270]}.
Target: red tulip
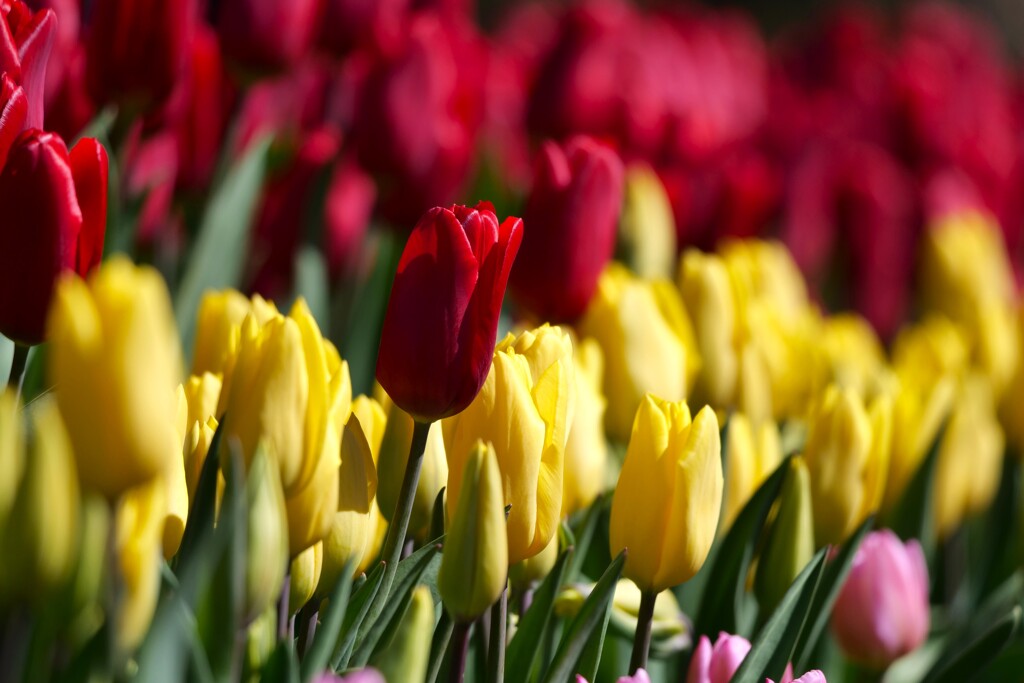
{"type": "Point", "coordinates": [348, 208]}
{"type": "Point", "coordinates": [56, 211]}
{"type": "Point", "coordinates": [572, 214]}
{"type": "Point", "coordinates": [137, 50]}
{"type": "Point", "coordinates": [350, 24]}
{"type": "Point", "coordinates": [267, 35]}
{"type": "Point", "coordinates": [204, 111]}
{"type": "Point", "coordinates": [442, 317]}
{"type": "Point", "coordinates": [13, 113]}
{"type": "Point", "coordinates": [26, 38]}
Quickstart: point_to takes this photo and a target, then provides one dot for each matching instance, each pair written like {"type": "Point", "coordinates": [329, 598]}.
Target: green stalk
{"type": "Point", "coordinates": [496, 655]}
{"type": "Point", "coordinates": [642, 642]}
{"type": "Point", "coordinates": [18, 364]}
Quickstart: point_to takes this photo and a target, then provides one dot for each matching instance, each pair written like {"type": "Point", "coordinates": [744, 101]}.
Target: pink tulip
{"type": "Point", "coordinates": [640, 676]}
{"type": "Point", "coordinates": [813, 676]}
{"type": "Point", "coordinates": [718, 663]}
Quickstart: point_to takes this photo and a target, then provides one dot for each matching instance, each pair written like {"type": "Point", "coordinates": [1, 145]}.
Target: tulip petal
{"type": "Point", "coordinates": [35, 41]}
{"type": "Point", "coordinates": [89, 171]}
{"type": "Point", "coordinates": [13, 114]}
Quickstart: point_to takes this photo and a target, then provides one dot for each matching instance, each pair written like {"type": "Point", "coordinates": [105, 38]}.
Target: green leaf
{"type": "Point", "coordinates": [720, 605]}
{"type": "Point", "coordinates": [836, 571]}
{"type": "Point", "coordinates": [437, 516]}
{"type": "Point", "coordinates": [973, 659]}
{"type": "Point", "coordinates": [100, 127]}
{"type": "Point", "coordinates": [408, 575]}
{"type": "Point", "coordinates": [584, 533]}
{"type": "Point", "coordinates": [312, 283]}
{"type": "Point", "coordinates": [525, 644]}
{"type": "Point", "coordinates": [355, 613]}
{"type": "Point", "coordinates": [202, 516]}
{"type": "Point", "coordinates": [593, 613]}
{"type": "Point", "coordinates": [283, 664]}
{"type": "Point", "coordinates": [222, 244]}
{"type": "Point", "coordinates": [773, 648]}
{"type": "Point", "coordinates": [912, 515]}
{"type": "Point", "coordinates": [332, 617]}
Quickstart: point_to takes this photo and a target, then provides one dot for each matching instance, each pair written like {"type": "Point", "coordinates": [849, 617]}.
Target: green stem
{"type": "Point", "coordinates": [18, 364]}
{"type": "Point", "coordinates": [642, 642]}
{"type": "Point", "coordinates": [460, 647]}
{"type": "Point", "coordinates": [442, 635]}
{"type": "Point", "coordinates": [496, 655]}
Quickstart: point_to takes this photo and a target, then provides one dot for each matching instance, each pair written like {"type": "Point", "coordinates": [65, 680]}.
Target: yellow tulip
{"type": "Point", "coordinates": [202, 394]}
{"type": "Point", "coordinates": [763, 272]}
{"type": "Point", "coordinates": [707, 293]}
{"type": "Point", "coordinates": [115, 363]}
{"type": "Point", "coordinates": [535, 568]}
{"type": "Point", "coordinates": [195, 449]}
{"type": "Point", "coordinates": [586, 450]}
{"type": "Point", "coordinates": [138, 528]}
{"type": "Point", "coordinates": [853, 354]}
{"type": "Point", "coordinates": [12, 451]}
{"type": "Point", "coordinates": [934, 347]}
{"type": "Point", "coordinates": [219, 326]}
{"type": "Point", "coordinates": [475, 561]}
{"type": "Point", "coordinates": [304, 576]}
{"type": "Point", "coordinates": [647, 341]}
{"type": "Point", "coordinates": [373, 420]}
{"type": "Point", "coordinates": [175, 481]}
{"type": "Point", "coordinates": [666, 506]}
{"type": "Point", "coordinates": [970, 458]}
{"type": "Point", "coordinates": [648, 228]}
{"type": "Point", "coordinates": [753, 385]}
{"type": "Point", "coordinates": [407, 655]}
{"type": "Point", "coordinates": [790, 544]}
{"type": "Point", "coordinates": [267, 527]}
{"type": "Point", "coordinates": [523, 410]}
{"type": "Point", "coordinates": [847, 455]}
{"type": "Point", "coordinates": [751, 454]}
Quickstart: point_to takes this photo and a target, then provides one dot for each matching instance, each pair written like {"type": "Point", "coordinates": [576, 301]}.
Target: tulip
{"type": "Point", "coordinates": [56, 223]}
{"type": "Point", "coordinates": [204, 115]}
{"type": "Point", "coordinates": [717, 663]}
{"type": "Point", "coordinates": [586, 450]}
{"type": "Point", "coordinates": [304, 576]}
{"type": "Point", "coordinates": [347, 25]}
{"type": "Point", "coordinates": [267, 547]}
{"type": "Point", "coordinates": [138, 526]}
{"type": "Point", "coordinates": [571, 214]}
{"type": "Point", "coordinates": [174, 478]}
{"type": "Point", "coordinates": [647, 232]}
{"type": "Point", "coordinates": [114, 361]}
{"type": "Point", "coordinates": [137, 54]}
{"type": "Point", "coordinates": [524, 410]}
{"type": "Point", "coordinates": [666, 505]}
{"type": "Point", "coordinates": [442, 317]}
{"type": "Point", "coordinates": [640, 676]}
{"type": "Point", "coordinates": [882, 611]}
{"type": "Point", "coordinates": [474, 564]}
{"type": "Point", "coordinates": [407, 656]}
{"type": "Point", "coordinates": [367, 675]}
{"type": "Point", "coordinates": [219, 331]}
{"type": "Point", "coordinates": [27, 38]}
{"type": "Point", "coordinates": [195, 450]}
{"type": "Point", "coordinates": [267, 34]}
{"type": "Point", "coordinates": [853, 354]}
{"type": "Point", "coordinates": [373, 421]}
{"type": "Point", "coordinates": [12, 450]}
{"type": "Point", "coordinates": [647, 340]}
{"type": "Point", "coordinates": [707, 293]}
{"type": "Point", "coordinates": [750, 456]}
{"type": "Point", "coordinates": [790, 545]}
{"type": "Point", "coordinates": [533, 569]}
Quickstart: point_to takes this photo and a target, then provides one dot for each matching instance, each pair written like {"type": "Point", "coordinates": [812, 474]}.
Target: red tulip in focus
{"type": "Point", "coordinates": [267, 35]}
{"type": "Point", "coordinates": [572, 214]}
{"type": "Point", "coordinates": [55, 219]}
{"type": "Point", "coordinates": [137, 50]}
{"type": "Point", "coordinates": [26, 38]}
{"type": "Point", "coordinates": [442, 317]}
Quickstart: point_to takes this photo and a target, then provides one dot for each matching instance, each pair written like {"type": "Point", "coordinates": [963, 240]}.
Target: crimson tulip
{"type": "Point", "coordinates": [573, 211]}
{"type": "Point", "coordinates": [347, 25]}
{"type": "Point", "coordinates": [442, 317]}
{"type": "Point", "coordinates": [26, 38]}
{"type": "Point", "coordinates": [267, 35]}
{"type": "Point", "coordinates": [56, 212]}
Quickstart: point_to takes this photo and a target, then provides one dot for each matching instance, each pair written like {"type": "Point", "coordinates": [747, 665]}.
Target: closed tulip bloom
{"type": "Point", "coordinates": [524, 410]}
{"type": "Point", "coordinates": [647, 340]}
{"type": "Point", "coordinates": [571, 215]}
{"type": "Point", "coordinates": [717, 663]}
{"type": "Point", "coordinates": [137, 51]}
{"type": "Point", "coordinates": [707, 293]}
{"type": "Point", "coordinates": [666, 505]}
{"type": "Point", "coordinates": [790, 545]}
{"type": "Point", "coordinates": [751, 454]}
{"type": "Point", "coordinates": [442, 316]}
{"type": "Point", "coordinates": [26, 40]}
{"type": "Point", "coordinates": [138, 528]}
{"type": "Point", "coordinates": [586, 450]}
{"type": "Point", "coordinates": [304, 576]}
{"type": "Point", "coordinates": [647, 232]}
{"type": "Point", "coordinates": [267, 528]}
{"type": "Point", "coordinates": [407, 655]}
{"type": "Point", "coordinates": [56, 222]}
{"type": "Point", "coordinates": [853, 354]}
{"type": "Point", "coordinates": [882, 610]}
{"type": "Point", "coordinates": [219, 329]}
{"type": "Point", "coordinates": [267, 34]}
{"type": "Point", "coordinates": [114, 361]}
{"type": "Point", "coordinates": [474, 564]}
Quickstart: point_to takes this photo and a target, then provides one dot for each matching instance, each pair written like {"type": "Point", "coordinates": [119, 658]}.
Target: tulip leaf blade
{"type": "Point", "coordinates": [912, 515]}
{"type": "Point", "coordinates": [584, 534]}
{"type": "Point", "coordinates": [355, 613]}
{"type": "Point", "coordinates": [970, 661]}
{"type": "Point", "coordinates": [283, 664]}
{"type": "Point", "coordinates": [319, 652]}
{"type": "Point", "coordinates": [774, 645]}
{"type": "Point", "coordinates": [525, 645]}
{"type": "Point", "coordinates": [222, 244]}
{"type": "Point", "coordinates": [204, 507]}
{"type": "Point", "coordinates": [719, 606]}
{"type": "Point", "coordinates": [593, 612]}
{"type": "Point", "coordinates": [832, 581]}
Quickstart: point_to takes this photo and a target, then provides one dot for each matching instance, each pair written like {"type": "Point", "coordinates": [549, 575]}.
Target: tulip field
{"type": "Point", "coordinates": [425, 341]}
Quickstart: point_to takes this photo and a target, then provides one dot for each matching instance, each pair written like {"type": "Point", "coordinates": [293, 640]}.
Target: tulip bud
{"type": "Point", "coordinates": [219, 329]}
{"type": "Point", "coordinates": [267, 34]}
{"type": "Point", "coordinates": [648, 230]}
{"type": "Point", "coordinates": [882, 612]}
{"type": "Point", "coordinates": [647, 341]}
{"type": "Point", "coordinates": [704, 283]}
{"type": "Point", "coordinates": [138, 527]}
{"type": "Point", "coordinates": [524, 410]}
{"type": "Point", "coordinates": [195, 450]}
{"type": "Point", "coordinates": [267, 547]}
{"type": "Point", "coordinates": [749, 459]}
{"type": "Point", "coordinates": [474, 564]}
{"type": "Point", "coordinates": [586, 450]}
{"type": "Point", "coordinates": [114, 360]}
{"type": "Point", "coordinates": [261, 639]}
{"type": "Point", "coordinates": [753, 385]}
{"type": "Point", "coordinates": [852, 352]}
{"type": "Point", "coordinates": [89, 568]}
{"type": "Point", "coordinates": [304, 576]}
{"type": "Point", "coordinates": [27, 37]}
{"type": "Point", "coordinates": [573, 208]}
{"type": "Point", "coordinates": [442, 316]}
{"type": "Point", "coordinates": [407, 656]}
{"type": "Point", "coordinates": [666, 505]}
{"type": "Point", "coordinates": [718, 663]}
{"type": "Point", "coordinates": [790, 544]}
{"type": "Point", "coordinates": [57, 219]}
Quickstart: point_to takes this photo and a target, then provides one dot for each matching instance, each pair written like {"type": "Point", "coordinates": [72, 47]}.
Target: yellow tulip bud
{"type": "Point", "coordinates": [352, 528]}
{"type": "Point", "coordinates": [115, 362]}
{"type": "Point", "coordinates": [394, 454]}
{"type": "Point", "coordinates": [304, 577]}
{"type": "Point", "coordinates": [852, 353]}
{"type": "Point", "coordinates": [647, 342]}
{"type": "Point", "coordinates": [523, 410]}
{"type": "Point", "coordinates": [586, 450]}
{"type": "Point", "coordinates": [267, 547]}
{"type": "Point", "coordinates": [260, 641]}
{"type": "Point", "coordinates": [218, 329]}
{"type": "Point", "coordinates": [669, 629]}
{"type": "Point", "coordinates": [474, 564]}
{"type": "Point", "coordinates": [373, 420]}
{"type": "Point", "coordinates": [751, 454]}
{"type": "Point", "coordinates": [195, 450]}
{"type": "Point", "coordinates": [704, 282]}
{"type": "Point", "coordinates": [174, 479]}
{"type": "Point", "coordinates": [648, 229]}
{"type": "Point", "coordinates": [790, 543]}
{"type": "Point", "coordinates": [407, 656]}
{"type": "Point", "coordinates": [933, 347]}
{"type": "Point", "coordinates": [202, 394]}
{"type": "Point", "coordinates": [763, 272]}
{"type": "Point", "coordinates": [753, 385]}
{"type": "Point", "coordinates": [666, 506]}
{"type": "Point", "coordinates": [970, 459]}
{"type": "Point", "coordinates": [138, 532]}
{"type": "Point", "coordinates": [12, 452]}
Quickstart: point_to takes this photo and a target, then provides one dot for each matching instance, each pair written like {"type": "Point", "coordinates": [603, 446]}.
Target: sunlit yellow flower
{"type": "Point", "coordinates": [138, 529]}
{"type": "Point", "coordinates": [219, 328]}
{"type": "Point", "coordinates": [647, 229]}
{"type": "Point", "coordinates": [708, 295]}
{"type": "Point", "coordinates": [586, 450]}
{"type": "Point", "coordinates": [304, 576]}
{"type": "Point", "coordinates": [267, 536]}
{"type": "Point", "coordinates": [751, 454]}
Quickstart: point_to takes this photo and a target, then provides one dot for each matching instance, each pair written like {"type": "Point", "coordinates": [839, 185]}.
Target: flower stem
{"type": "Point", "coordinates": [442, 635]}
{"type": "Point", "coordinates": [460, 647]}
{"type": "Point", "coordinates": [642, 642]}
{"type": "Point", "coordinates": [496, 655]}
{"type": "Point", "coordinates": [18, 364]}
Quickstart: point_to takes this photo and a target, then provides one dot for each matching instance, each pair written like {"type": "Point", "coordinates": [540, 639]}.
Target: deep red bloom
{"type": "Point", "coordinates": [348, 209]}
{"type": "Point", "coordinates": [347, 25]}
{"type": "Point", "coordinates": [204, 111]}
{"type": "Point", "coordinates": [442, 317]}
{"type": "Point", "coordinates": [572, 214]}
{"type": "Point", "coordinates": [56, 212]}
{"type": "Point", "coordinates": [267, 35]}
{"type": "Point", "coordinates": [26, 38]}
